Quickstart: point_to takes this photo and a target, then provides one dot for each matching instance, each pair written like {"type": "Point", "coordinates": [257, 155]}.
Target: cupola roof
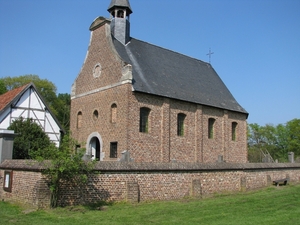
{"type": "Point", "coordinates": [120, 3]}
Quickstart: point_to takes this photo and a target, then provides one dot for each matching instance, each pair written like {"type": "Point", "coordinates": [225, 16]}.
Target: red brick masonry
{"type": "Point", "coordinates": [136, 182]}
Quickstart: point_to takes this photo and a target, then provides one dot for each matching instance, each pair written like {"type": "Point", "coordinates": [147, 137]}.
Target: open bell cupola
{"type": "Point", "coordinates": [120, 11]}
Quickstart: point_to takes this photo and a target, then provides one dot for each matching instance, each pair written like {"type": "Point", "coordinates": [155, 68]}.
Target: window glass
{"type": "Point", "coordinates": [233, 131]}
{"type": "Point", "coordinates": [144, 120]}
{"type": "Point", "coordinates": [113, 150]}
{"type": "Point", "coordinates": [180, 124]}
{"type": "Point", "coordinates": [211, 122]}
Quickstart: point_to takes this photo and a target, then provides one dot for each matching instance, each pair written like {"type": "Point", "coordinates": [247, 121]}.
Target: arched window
{"type": "Point", "coordinates": [120, 14]}
{"type": "Point", "coordinates": [95, 115]}
{"type": "Point", "coordinates": [233, 131]}
{"type": "Point", "coordinates": [144, 119]}
{"type": "Point", "coordinates": [180, 124]}
{"type": "Point", "coordinates": [79, 119]}
{"type": "Point", "coordinates": [211, 122]}
{"type": "Point", "coordinates": [114, 113]}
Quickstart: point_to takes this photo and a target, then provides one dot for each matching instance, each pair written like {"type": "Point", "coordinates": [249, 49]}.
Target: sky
{"type": "Point", "coordinates": [255, 43]}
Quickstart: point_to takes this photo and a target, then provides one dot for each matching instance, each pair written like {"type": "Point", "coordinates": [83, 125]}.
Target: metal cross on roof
{"type": "Point", "coordinates": [209, 55]}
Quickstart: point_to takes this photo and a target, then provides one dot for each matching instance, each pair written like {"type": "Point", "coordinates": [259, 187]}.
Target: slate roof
{"type": "Point", "coordinates": [169, 74]}
{"type": "Point", "coordinates": [119, 3]}
{"type": "Point", "coordinates": [8, 97]}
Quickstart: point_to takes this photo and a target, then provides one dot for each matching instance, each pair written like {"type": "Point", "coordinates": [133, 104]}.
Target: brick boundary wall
{"type": "Point", "coordinates": [135, 182]}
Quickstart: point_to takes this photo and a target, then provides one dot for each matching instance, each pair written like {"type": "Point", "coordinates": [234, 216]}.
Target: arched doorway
{"type": "Point", "coordinates": [94, 147]}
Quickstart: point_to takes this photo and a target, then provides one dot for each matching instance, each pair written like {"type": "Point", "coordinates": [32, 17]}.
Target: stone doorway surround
{"type": "Point", "coordinates": [92, 144]}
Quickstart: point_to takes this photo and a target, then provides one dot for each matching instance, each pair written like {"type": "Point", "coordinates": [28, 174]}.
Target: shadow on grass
{"type": "Point", "coordinates": [101, 205]}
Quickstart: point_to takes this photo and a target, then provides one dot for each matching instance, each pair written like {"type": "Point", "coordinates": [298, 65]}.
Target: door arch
{"type": "Point", "coordinates": [94, 146]}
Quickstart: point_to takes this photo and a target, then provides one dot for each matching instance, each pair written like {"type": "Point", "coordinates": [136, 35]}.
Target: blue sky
{"type": "Point", "coordinates": [256, 43]}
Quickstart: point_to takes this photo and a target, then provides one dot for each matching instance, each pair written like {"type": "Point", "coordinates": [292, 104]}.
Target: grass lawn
{"type": "Point", "coordinates": [273, 205]}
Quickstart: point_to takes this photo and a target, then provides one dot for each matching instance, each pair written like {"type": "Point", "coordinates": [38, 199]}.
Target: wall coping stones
{"type": "Point", "coordinates": [31, 165]}
{"type": "Point", "coordinates": [24, 165]}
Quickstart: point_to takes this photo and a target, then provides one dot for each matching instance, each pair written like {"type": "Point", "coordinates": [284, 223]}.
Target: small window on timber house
{"type": "Point", "coordinates": [79, 119]}
{"type": "Point", "coordinates": [233, 131]}
{"type": "Point", "coordinates": [211, 122]}
{"type": "Point", "coordinates": [180, 124]}
{"type": "Point", "coordinates": [114, 113]}
{"type": "Point", "coordinates": [144, 119]}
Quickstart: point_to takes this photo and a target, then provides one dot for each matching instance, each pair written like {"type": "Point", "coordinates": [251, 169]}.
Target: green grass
{"type": "Point", "coordinates": [273, 205]}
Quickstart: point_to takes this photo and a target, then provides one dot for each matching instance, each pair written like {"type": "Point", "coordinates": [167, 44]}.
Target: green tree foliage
{"type": "Point", "coordinates": [62, 106]}
{"type": "Point", "coordinates": [64, 165]}
{"type": "Point", "coordinates": [59, 105]}
{"type": "Point", "coordinates": [2, 87]}
{"type": "Point", "coordinates": [30, 138]}
{"type": "Point", "coordinates": [293, 139]}
{"type": "Point", "coordinates": [44, 86]}
{"type": "Point", "coordinates": [277, 140]}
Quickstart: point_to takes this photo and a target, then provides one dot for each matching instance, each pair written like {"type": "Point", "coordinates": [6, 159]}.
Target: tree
{"type": "Point", "coordinates": [30, 138]}
{"type": "Point", "coordinates": [281, 142]}
{"type": "Point", "coordinates": [256, 140]}
{"type": "Point", "coordinates": [62, 107]}
{"type": "Point", "coordinates": [44, 86]}
{"type": "Point", "coordinates": [277, 140]}
{"type": "Point", "coordinates": [64, 165]}
{"type": "Point", "coordinates": [293, 139]}
{"type": "Point", "coordinates": [2, 87]}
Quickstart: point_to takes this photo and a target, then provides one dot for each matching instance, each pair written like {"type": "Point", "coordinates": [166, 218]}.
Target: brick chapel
{"type": "Point", "coordinates": [157, 104]}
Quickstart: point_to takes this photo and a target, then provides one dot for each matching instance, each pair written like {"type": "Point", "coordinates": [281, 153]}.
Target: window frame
{"type": "Point", "coordinates": [114, 113]}
{"type": "Point", "coordinates": [144, 120]}
{"type": "Point", "coordinates": [8, 180]}
{"type": "Point", "coordinates": [79, 120]}
{"type": "Point", "coordinates": [180, 124]}
{"type": "Point", "coordinates": [95, 115]}
{"type": "Point", "coordinates": [211, 126]}
{"type": "Point", "coordinates": [113, 153]}
{"type": "Point", "coordinates": [233, 131]}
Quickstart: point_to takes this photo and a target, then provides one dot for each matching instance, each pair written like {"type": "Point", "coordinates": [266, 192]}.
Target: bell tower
{"type": "Point", "coordinates": [120, 11]}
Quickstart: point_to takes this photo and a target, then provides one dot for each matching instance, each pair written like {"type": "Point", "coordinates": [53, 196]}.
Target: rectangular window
{"type": "Point", "coordinates": [233, 131]}
{"type": "Point", "coordinates": [211, 122]}
{"type": "Point", "coordinates": [7, 184]}
{"type": "Point", "coordinates": [113, 150]}
{"type": "Point", "coordinates": [144, 114]}
{"type": "Point", "coordinates": [180, 124]}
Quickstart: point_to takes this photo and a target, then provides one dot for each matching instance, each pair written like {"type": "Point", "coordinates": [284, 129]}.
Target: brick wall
{"type": "Point", "coordinates": [92, 93]}
{"type": "Point", "coordinates": [162, 144]}
{"type": "Point", "coordinates": [136, 182]}
{"type": "Point", "coordinates": [28, 188]}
